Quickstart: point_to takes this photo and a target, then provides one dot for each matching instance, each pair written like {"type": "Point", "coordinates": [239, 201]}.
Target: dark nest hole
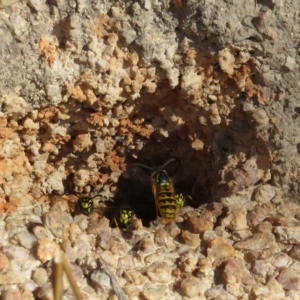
{"type": "Point", "coordinates": [197, 173]}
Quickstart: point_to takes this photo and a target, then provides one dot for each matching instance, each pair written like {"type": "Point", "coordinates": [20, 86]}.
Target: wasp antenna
{"type": "Point", "coordinates": [168, 161]}
{"type": "Point", "coordinates": [141, 165]}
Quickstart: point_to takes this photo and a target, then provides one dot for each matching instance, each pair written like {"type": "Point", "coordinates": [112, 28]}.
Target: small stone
{"type": "Point", "coordinates": [235, 219]}
{"type": "Point", "coordinates": [235, 271]}
{"type": "Point", "coordinates": [256, 242]}
{"type": "Point", "coordinates": [135, 277]}
{"type": "Point", "coordinates": [295, 252]}
{"type": "Point", "coordinates": [280, 260]}
{"type": "Point", "coordinates": [159, 272]}
{"type": "Point", "coordinates": [26, 239]}
{"type": "Point", "coordinates": [129, 35]}
{"type": "Point", "coordinates": [82, 245]}
{"type": "Point", "coordinates": [7, 3]}
{"type": "Point", "coordinates": [199, 222]}
{"type": "Point", "coordinates": [45, 291]}
{"type": "Point", "coordinates": [125, 263]}
{"type": "Point", "coordinates": [256, 216]}
{"type": "Point", "coordinates": [146, 245]}
{"type": "Point", "coordinates": [276, 291]}
{"type": "Point", "coordinates": [29, 285]}
{"type": "Point", "coordinates": [261, 268]}
{"type": "Point", "coordinates": [46, 249]}
{"type": "Point", "coordinates": [147, 4]}
{"type": "Point", "coordinates": [131, 290]}
{"type": "Point", "coordinates": [104, 239]}
{"type": "Point", "coordinates": [82, 142]}
{"type": "Point", "coordinates": [265, 194]}
{"type": "Point", "coordinates": [53, 91]}
{"type": "Point", "coordinates": [290, 234]}
{"type": "Point", "coordinates": [38, 5]}
{"type": "Point", "coordinates": [82, 221]}
{"type": "Point", "coordinates": [290, 63]}
{"type": "Point", "coordinates": [188, 261]}
{"type": "Point", "coordinates": [57, 222]}
{"type": "Point", "coordinates": [155, 292]}
{"type": "Point", "coordinates": [160, 236]}
{"type": "Point", "coordinates": [11, 294]}
{"type": "Point", "coordinates": [40, 276]}
{"type": "Point", "coordinates": [194, 287]}
{"type": "Point", "coordinates": [190, 239]}
{"type": "Point", "coordinates": [219, 249]}
{"type": "Point", "coordinates": [218, 293]}
{"type": "Point", "coordinates": [101, 280]}
{"type": "Point", "coordinates": [110, 259]}
{"type": "Point", "coordinates": [98, 226]}
{"type": "Point", "coordinates": [41, 232]}
{"type": "Point", "coordinates": [3, 261]}
{"type": "Point", "coordinates": [289, 278]}
{"type": "Point", "coordinates": [15, 252]}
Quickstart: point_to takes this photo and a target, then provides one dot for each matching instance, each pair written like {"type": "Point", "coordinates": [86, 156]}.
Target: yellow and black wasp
{"type": "Point", "coordinates": [85, 204]}
{"type": "Point", "coordinates": [122, 218]}
{"type": "Point", "coordinates": [183, 199]}
{"type": "Point", "coordinates": [164, 192]}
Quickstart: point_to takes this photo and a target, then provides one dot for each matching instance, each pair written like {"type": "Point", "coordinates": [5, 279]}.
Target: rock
{"type": "Point", "coordinates": [235, 271]}
{"type": "Point", "coordinates": [256, 216]}
{"type": "Point", "coordinates": [218, 293]}
{"type": "Point", "coordinates": [159, 272]}
{"type": "Point", "coordinates": [135, 277]}
{"type": "Point", "coordinates": [131, 290]}
{"type": "Point", "coordinates": [190, 239]}
{"type": "Point", "coordinates": [276, 290]}
{"type": "Point", "coordinates": [155, 292]}
{"type": "Point", "coordinates": [280, 260]}
{"type": "Point", "coordinates": [40, 276]}
{"type": "Point", "coordinates": [289, 278]}
{"type": "Point", "coordinates": [287, 234]}
{"type": "Point", "coordinates": [57, 222]}
{"type": "Point", "coordinates": [82, 142]}
{"type": "Point", "coordinates": [187, 261]}
{"type": "Point", "coordinates": [146, 245]}
{"type": "Point", "coordinates": [26, 239]}
{"type": "Point", "coordinates": [97, 226]}
{"type": "Point", "coordinates": [45, 291]}
{"type": "Point", "coordinates": [101, 280]}
{"type": "Point", "coordinates": [38, 5]}
{"type": "Point", "coordinates": [11, 294]}
{"type": "Point", "coordinates": [218, 249]}
{"type": "Point", "coordinates": [3, 261]}
{"type": "Point", "coordinates": [256, 242]}
{"type": "Point", "coordinates": [41, 232]}
{"type": "Point", "coordinates": [290, 63]}
{"type": "Point", "coordinates": [194, 287]}
{"type": "Point", "coordinates": [46, 249]}
{"type": "Point", "coordinates": [15, 252]}
{"type": "Point", "coordinates": [198, 223]}
{"type": "Point", "coordinates": [104, 239]}
{"type": "Point", "coordinates": [265, 193]}
{"type": "Point", "coordinates": [7, 3]}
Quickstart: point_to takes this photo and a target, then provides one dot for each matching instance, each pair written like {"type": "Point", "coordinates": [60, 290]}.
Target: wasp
{"type": "Point", "coordinates": [183, 199]}
{"type": "Point", "coordinates": [163, 191]}
{"type": "Point", "coordinates": [122, 218]}
{"type": "Point", "coordinates": [85, 204]}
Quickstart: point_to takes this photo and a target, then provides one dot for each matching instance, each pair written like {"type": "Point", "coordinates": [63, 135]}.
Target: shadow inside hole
{"type": "Point", "coordinates": [134, 186]}
{"type": "Point", "coordinates": [298, 148]}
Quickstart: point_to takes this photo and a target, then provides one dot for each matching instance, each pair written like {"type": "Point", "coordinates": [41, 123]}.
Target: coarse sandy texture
{"type": "Point", "coordinates": [89, 88]}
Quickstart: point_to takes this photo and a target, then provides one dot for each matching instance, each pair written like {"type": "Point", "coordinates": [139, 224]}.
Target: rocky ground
{"type": "Point", "coordinates": [90, 88]}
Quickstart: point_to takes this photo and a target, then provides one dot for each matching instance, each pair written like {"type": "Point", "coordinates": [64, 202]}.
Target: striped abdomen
{"type": "Point", "coordinates": [163, 191]}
